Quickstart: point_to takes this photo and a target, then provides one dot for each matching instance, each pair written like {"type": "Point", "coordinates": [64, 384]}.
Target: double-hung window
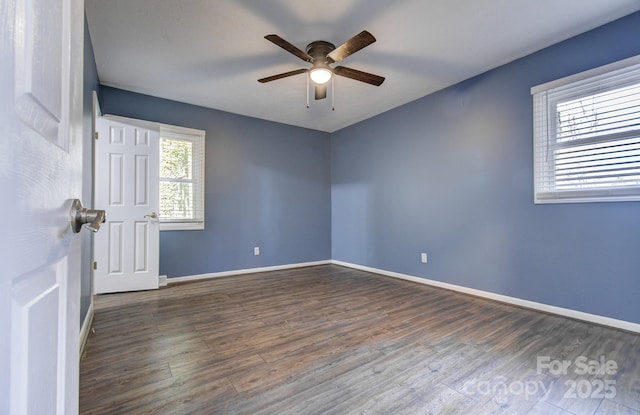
{"type": "Point", "coordinates": [181, 178]}
{"type": "Point", "coordinates": [587, 136]}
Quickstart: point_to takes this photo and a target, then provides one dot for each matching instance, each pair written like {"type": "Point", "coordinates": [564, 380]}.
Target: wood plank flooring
{"type": "Point", "coordinates": [333, 340]}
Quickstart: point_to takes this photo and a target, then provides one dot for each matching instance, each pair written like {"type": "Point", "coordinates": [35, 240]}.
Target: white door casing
{"type": "Point", "coordinates": [41, 70]}
{"type": "Point", "coordinates": [127, 160]}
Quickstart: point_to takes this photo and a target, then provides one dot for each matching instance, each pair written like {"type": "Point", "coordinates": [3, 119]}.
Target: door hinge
{"type": "Point", "coordinates": [95, 265]}
{"type": "Point", "coordinates": [95, 135]}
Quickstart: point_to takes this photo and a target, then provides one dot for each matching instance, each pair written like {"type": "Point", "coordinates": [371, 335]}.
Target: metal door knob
{"type": "Point", "coordinates": [83, 216]}
{"type": "Point", "coordinates": [152, 215]}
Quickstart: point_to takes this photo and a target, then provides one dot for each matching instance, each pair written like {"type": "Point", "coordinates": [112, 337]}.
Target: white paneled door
{"type": "Point", "coordinates": [126, 177]}
{"type": "Point", "coordinates": [40, 174]}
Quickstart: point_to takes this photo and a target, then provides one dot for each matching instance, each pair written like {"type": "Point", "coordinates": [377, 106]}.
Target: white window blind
{"type": "Point", "coordinates": [587, 136]}
{"type": "Point", "coordinates": [181, 178]}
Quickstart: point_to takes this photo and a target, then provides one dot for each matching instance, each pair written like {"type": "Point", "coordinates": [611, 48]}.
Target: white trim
{"type": "Point", "coordinates": [565, 312]}
{"type": "Point", "coordinates": [97, 112]}
{"type": "Point", "coordinates": [179, 132]}
{"type": "Point", "coordinates": [174, 280]}
{"type": "Point", "coordinates": [86, 326]}
{"type": "Point", "coordinates": [197, 138]}
{"type": "Point", "coordinates": [625, 63]}
{"type": "Point", "coordinates": [182, 226]}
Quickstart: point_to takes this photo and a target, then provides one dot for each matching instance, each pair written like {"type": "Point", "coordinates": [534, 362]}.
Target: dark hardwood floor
{"type": "Point", "coordinates": [334, 340]}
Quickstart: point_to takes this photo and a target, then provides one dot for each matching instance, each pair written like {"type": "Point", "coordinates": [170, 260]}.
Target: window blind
{"type": "Point", "coordinates": [182, 174]}
{"type": "Point", "coordinates": [587, 136]}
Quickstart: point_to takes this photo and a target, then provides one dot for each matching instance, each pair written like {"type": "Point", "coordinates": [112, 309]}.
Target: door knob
{"type": "Point", "coordinates": [83, 216]}
{"type": "Point", "coordinates": [152, 215]}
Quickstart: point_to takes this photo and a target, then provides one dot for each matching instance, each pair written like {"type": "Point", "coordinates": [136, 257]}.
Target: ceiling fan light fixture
{"type": "Point", "coordinates": [320, 75]}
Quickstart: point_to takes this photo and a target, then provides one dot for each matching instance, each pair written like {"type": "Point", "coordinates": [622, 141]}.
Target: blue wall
{"type": "Point", "coordinates": [267, 185]}
{"type": "Point", "coordinates": [451, 174]}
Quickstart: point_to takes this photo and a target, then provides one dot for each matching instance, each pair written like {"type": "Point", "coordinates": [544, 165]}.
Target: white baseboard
{"type": "Point", "coordinates": [174, 280]}
{"type": "Point", "coordinates": [565, 312]}
{"type": "Point", "coordinates": [86, 326]}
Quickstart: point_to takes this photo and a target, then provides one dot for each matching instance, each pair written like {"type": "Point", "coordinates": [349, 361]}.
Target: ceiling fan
{"type": "Point", "coordinates": [321, 54]}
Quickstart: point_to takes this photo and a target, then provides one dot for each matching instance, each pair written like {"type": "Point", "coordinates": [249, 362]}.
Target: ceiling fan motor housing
{"type": "Point", "coordinates": [319, 50]}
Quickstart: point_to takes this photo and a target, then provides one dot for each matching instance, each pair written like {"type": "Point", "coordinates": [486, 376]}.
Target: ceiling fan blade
{"type": "Point", "coordinates": [282, 75]}
{"type": "Point", "coordinates": [289, 47]}
{"type": "Point", "coordinates": [365, 77]}
{"type": "Point", "coordinates": [321, 91]}
{"type": "Point", "coordinates": [351, 46]}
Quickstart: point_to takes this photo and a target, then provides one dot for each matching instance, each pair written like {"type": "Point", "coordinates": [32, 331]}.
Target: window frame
{"type": "Point", "coordinates": [197, 137]}
{"type": "Point", "coordinates": [546, 97]}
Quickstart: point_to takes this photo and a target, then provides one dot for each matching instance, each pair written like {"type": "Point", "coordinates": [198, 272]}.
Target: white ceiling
{"type": "Point", "coordinates": [211, 52]}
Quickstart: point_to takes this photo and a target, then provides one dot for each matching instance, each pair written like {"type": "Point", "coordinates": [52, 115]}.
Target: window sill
{"type": "Point", "coordinates": [181, 226]}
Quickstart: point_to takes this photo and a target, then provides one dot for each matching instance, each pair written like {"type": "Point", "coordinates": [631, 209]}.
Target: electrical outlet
{"type": "Point", "coordinates": [423, 257]}
{"type": "Point", "coordinates": [256, 251]}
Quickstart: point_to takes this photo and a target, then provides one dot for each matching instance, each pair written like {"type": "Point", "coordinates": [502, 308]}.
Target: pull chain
{"type": "Point", "coordinates": [307, 90]}
{"type": "Point", "coordinates": [333, 94]}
